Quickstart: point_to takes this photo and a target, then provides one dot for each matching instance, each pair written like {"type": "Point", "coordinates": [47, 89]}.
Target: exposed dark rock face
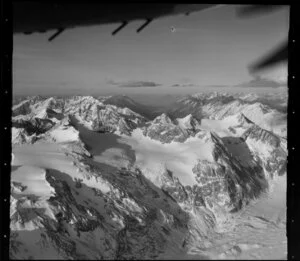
{"type": "Point", "coordinates": [172, 186]}
{"type": "Point", "coordinates": [53, 114]}
{"type": "Point", "coordinates": [105, 118]}
{"type": "Point", "coordinates": [34, 126]}
{"type": "Point", "coordinates": [22, 109]}
{"type": "Point", "coordinates": [133, 220]}
{"type": "Point", "coordinates": [257, 133]}
{"type": "Point", "coordinates": [274, 161]}
{"type": "Point", "coordinates": [33, 104]}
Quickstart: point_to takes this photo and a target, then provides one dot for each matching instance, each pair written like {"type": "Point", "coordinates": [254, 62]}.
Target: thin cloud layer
{"type": "Point", "coordinates": [184, 85]}
{"type": "Point", "coordinates": [262, 82]}
{"type": "Point", "coordinates": [218, 85]}
{"type": "Point", "coordinates": [257, 82]}
{"type": "Point", "coordinates": [134, 84]}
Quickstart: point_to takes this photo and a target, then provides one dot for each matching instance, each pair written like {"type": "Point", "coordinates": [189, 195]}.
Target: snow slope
{"type": "Point", "coordinates": [94, 212]}
{"type": "Point", "coordinates": [33, 181]}
{"type": "Point", "coordinates": [153, 157]}
{"type": "Point", "coordinates": [64, 134]}
{"type": "Point", "coordinates": [259, 231]}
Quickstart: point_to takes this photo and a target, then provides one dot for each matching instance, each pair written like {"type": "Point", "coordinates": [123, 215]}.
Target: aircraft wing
{"type": "Point", "coordinates": [279, 53]}
{"type": "Point", "coordinates": [253, 10]}
{"type": "Point", "coordinates": [30, 17]}
{"type": "Point", "coordinates": [38, 17]}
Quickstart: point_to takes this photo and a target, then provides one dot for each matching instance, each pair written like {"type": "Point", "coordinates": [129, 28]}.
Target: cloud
{"type": "Point", "coordinates": [197, 85]}
{"type": "Point", "coordinates": [184, 85]}
{"type": "Point", "coordinates": [112, 82]}
{"type": "Point", "coordinates": [139, 84]}
{"type": "Point", "coordinates": [218, 85]}
{"type": "Point", "coordinates": [259, 81]}
{"type": "Point", "coordinates": [134, 84]}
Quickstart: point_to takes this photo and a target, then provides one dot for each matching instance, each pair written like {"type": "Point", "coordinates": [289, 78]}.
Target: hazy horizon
{"type": "Point", "coordinates": [158, 99]}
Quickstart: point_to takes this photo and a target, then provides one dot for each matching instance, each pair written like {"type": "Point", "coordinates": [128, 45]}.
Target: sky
{"type": "Point", "coordinates": [209, 50]}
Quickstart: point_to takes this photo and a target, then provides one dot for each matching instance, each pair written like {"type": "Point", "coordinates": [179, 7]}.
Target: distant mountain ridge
{"type": "Point", "coordinates": [124, 101]}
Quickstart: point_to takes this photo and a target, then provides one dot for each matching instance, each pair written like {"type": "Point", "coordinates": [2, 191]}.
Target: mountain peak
{"type": "Point", "coordinates": [188, 122]}
{"type": "Point", "coordinates": [163, 119]}
{"type": "Point", "coordinates": [257, 133]}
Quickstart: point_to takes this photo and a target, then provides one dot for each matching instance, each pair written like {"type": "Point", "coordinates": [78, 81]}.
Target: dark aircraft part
{"type": "Point", "coordinates": [148, 21]}
{"type": "Point", "coordinates": [33, 16]}
{"type": "Point", "coordinates": [280, 54]}
{"type": "Point", "coordinates": [119, 28]}
{"type": "Point", "coordinates": [253, 10]}
{"type": "Point", "coordinates": [59, 31]}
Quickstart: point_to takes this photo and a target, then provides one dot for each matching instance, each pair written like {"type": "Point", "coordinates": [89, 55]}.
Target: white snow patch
{"type": "Point", "coordinates": [50, 156]}
{"type": "Point", "coordinates": [63, 134]}
{"type": "Point", "coordinates": [34, 179]}
{"type": "Point", "coordinates": [133, 207]}
{"type": "Point", "coordinates": [185, 123]}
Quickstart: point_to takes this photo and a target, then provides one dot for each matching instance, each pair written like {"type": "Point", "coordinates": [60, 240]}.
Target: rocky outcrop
{"type": "Point", "coordinates": [33, 126]}
{"type": "Point", "coordinates": [269, 148]}
{"type": "Point", "coordinates": [103, 118]}
{"type": "Point", "coordinates": [166, 130]}
{"type": "Point", "coordinates": [134, 219]}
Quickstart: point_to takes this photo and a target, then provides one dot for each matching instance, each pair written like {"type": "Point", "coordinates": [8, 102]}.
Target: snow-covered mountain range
{"type": "Point", "coordinates": [97, 178]}
{"type": "Point", "coordinates": [268, 111]}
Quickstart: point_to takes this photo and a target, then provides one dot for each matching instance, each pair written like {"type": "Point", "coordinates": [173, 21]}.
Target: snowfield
{"type": "Point", "coordinates": [153, 157]}
{"type": "Point", "coordinates": [63, 134]}
{"type": "Point", "coordinates": [51, 156]}
{"type": "Point", "coordinates": [33, 181]}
